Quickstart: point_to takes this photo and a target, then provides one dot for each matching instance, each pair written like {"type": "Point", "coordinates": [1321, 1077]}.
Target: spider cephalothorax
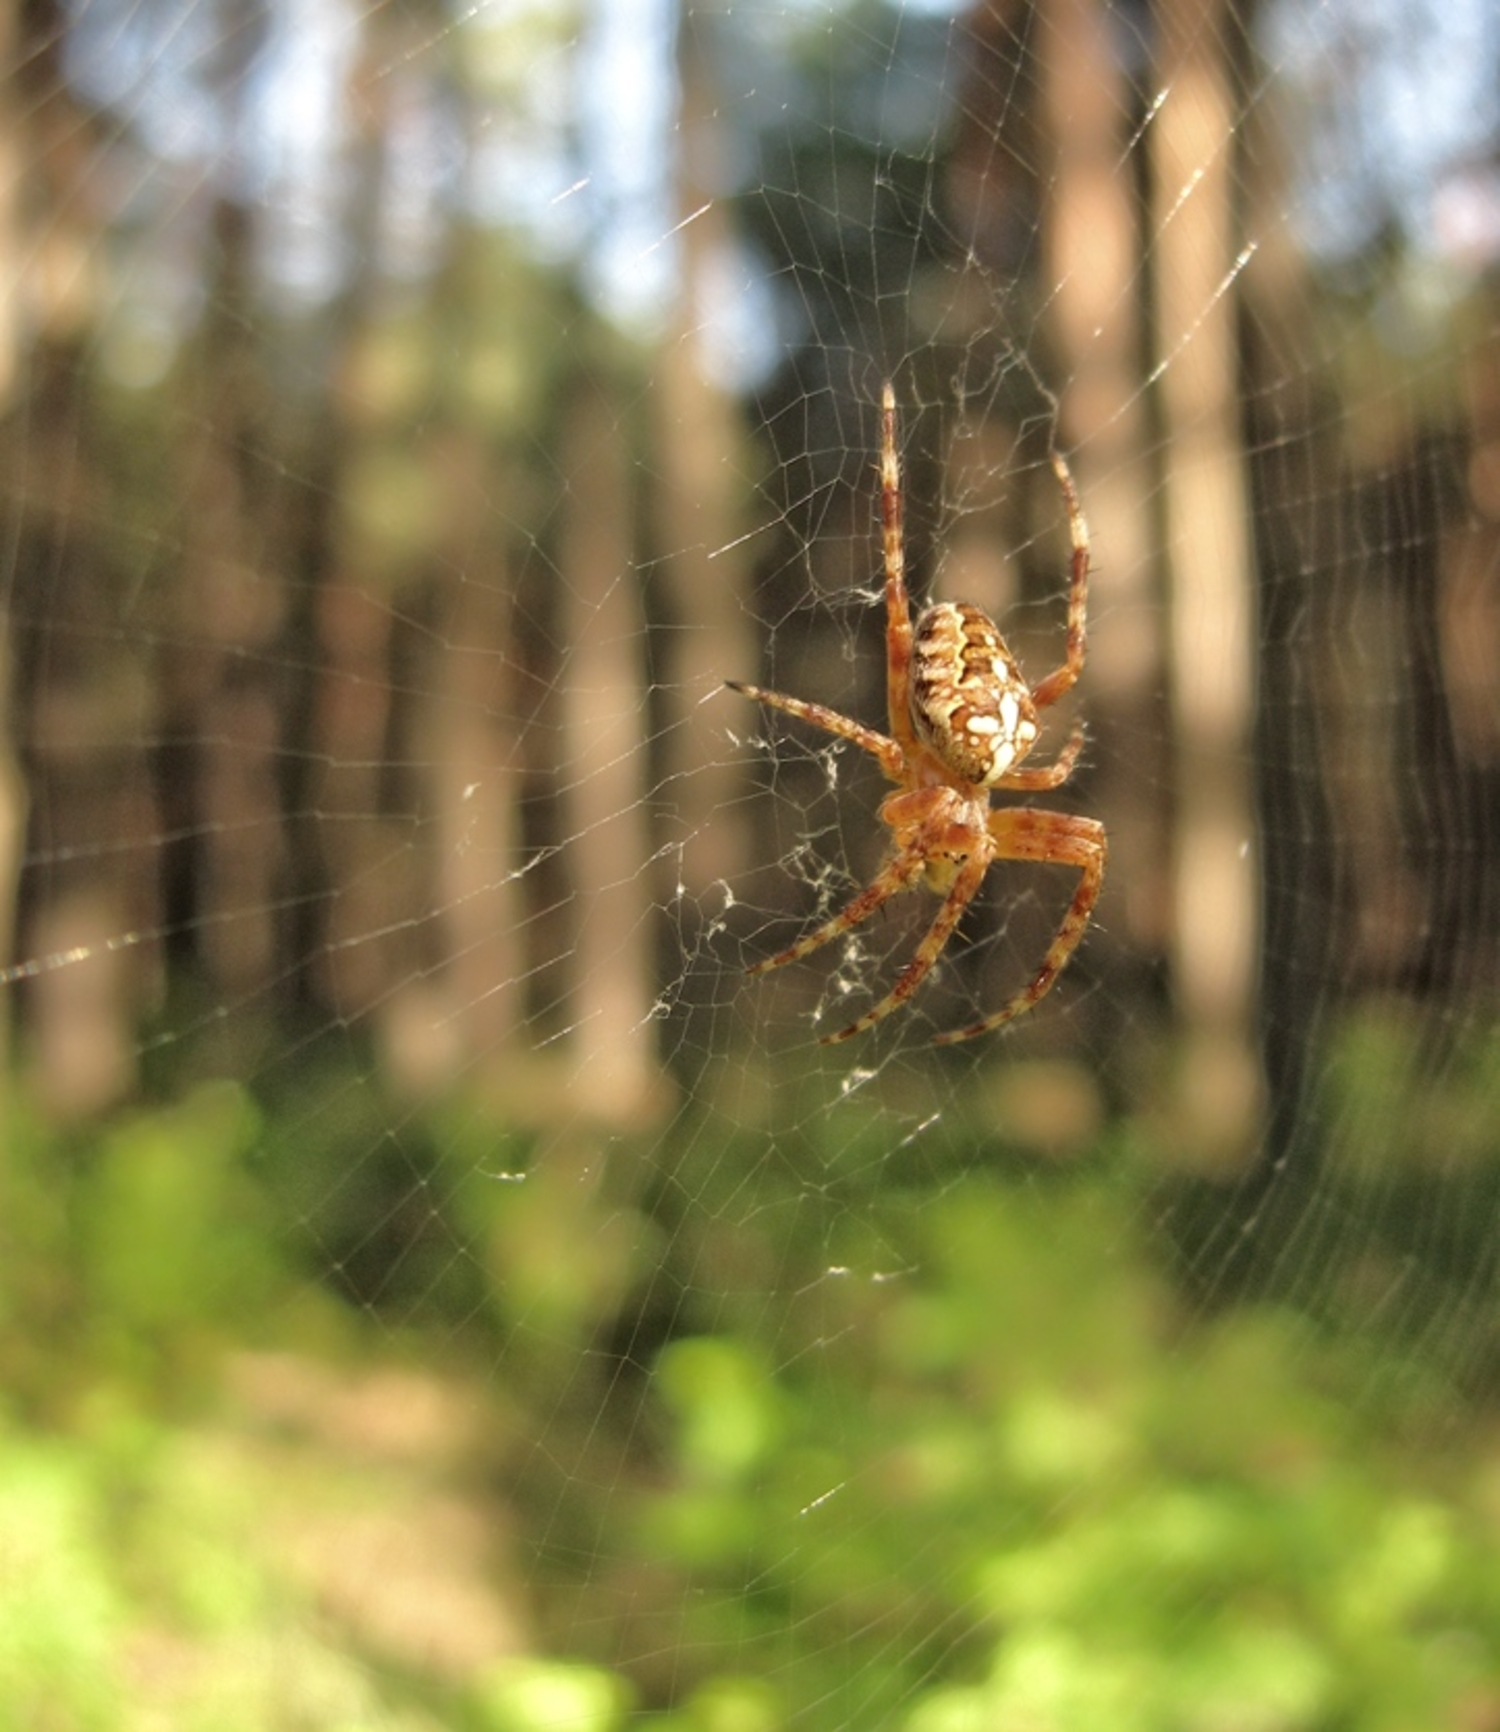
{"type": "Point", "coordinates": [962, 720]}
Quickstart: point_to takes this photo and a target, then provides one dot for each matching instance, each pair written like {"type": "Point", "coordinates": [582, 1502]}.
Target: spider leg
{"type": "Point", "coordinates": [1056, 839]}
{"type": "Point", "coordinates": [898, 634]}
{"type": "Point", "coordinates": [1055, 684]}
{"type": "Point", "coordinates": [965, 887]}
{"type": "Point", "coordinates": [898, 874]}
{"type": "Point", "coordinates": [1047, 775]}
{"type": "Point", "coordinates": [887, 752]}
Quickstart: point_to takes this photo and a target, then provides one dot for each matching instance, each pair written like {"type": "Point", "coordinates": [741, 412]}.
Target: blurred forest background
{"type": "Point", "coordinates": [436, 1288]}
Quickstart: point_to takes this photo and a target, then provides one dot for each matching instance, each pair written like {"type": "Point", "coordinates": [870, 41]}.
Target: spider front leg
{"type": "Point", "coordinates": [1054, 839]}
{"type": "Point", "coordinates": [1036, 778]}
{"type": "Point", "coordinates": [886, 752]}
{"type": "Point", "coordinates": [898, 630]}
{"type": "Point", "coordinates": [1049, 690]}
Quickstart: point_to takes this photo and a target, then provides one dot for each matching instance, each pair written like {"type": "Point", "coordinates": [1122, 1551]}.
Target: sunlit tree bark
{"type": "Point", "coordinates": [461, 1020]}
{"type": "Point", "coordinates": [699, 445]}
{"type": "Point", "coordinates": [359, 866]}
{"type": "Point", "coordinates": [603, 777]}
{"type": "Point", "coordinates": [1095, 272]}
{"type": "Point", "coordinates": [1212, 613]}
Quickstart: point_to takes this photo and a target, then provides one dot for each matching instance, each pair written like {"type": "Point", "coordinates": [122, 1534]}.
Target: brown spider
{"type": "Point", "coordinates": [962, 718]}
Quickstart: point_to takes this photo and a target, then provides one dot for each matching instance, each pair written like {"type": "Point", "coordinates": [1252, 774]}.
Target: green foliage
{"type": "Point", "coordinates": [525, 1695]}
{"type": "Point", "coordinates": [132, 1598]}
{"type": "Point", "coordinates": [905, 1436]}
{"type": "Point", "coordinates": [1388, 1123]}
{"type": "Point", "coordinates": [1414, 1172]}
{"type": "Point", "coordinates": [1007, 1498]}
{"type": "Point", "coordinates": [132, 1256]}
{"type": "Point", "coordinates": [60, 1612]}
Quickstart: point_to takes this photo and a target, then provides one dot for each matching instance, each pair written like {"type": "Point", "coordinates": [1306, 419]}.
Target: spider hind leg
{"type": "Point", "coordinates": [964, 889]}
{"type": "Point", "coordinates": [899, 874]}
{"type": "Point", "coordinates": [1053, 839]}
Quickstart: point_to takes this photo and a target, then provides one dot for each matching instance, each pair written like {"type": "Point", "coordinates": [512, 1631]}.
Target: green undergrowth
{"type": "Point", "coordinates": [1029, 1500]}
{"type": "Point", "coordinates": [735, 1431]}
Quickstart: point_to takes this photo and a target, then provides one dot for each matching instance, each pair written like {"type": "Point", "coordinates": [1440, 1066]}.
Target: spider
{"type": "Point", "coordinates": [962, 719]}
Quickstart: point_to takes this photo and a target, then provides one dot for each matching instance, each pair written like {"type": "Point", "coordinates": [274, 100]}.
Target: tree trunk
{"type": "Point", "coordinates": [1215, 880]}
{"type": "Point", "coordinates": [603, 775]}
{"type": "Point", "coordinates": [1094, 268]}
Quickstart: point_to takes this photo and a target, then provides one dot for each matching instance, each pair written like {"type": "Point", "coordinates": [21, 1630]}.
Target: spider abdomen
{"type": "Point", "coordinates": [969, 703]}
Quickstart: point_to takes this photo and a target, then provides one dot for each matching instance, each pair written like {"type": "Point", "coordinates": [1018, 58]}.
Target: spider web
{"type": "Point", "coordinates": [443, 1288]}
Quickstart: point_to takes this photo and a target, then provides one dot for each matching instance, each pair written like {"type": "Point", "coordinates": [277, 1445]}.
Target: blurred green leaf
{"type": "Point", "coordinates": [531, 1695]}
